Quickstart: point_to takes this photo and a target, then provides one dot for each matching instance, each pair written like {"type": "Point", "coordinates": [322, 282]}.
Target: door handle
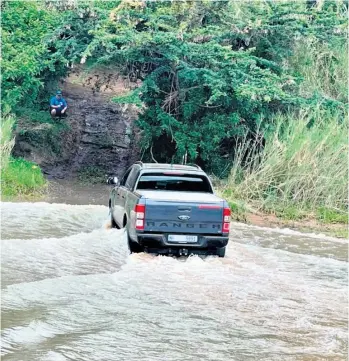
{"type": "Point", "coordinates": [184, 209]}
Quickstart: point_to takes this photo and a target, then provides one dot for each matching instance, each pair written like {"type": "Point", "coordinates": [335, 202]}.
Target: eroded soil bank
{"type": "Point", "coordinates": [99, 137]}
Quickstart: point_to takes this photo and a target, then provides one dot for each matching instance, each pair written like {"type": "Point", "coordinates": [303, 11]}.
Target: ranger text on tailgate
{"type": "Point", "coordinates": [169, 209]}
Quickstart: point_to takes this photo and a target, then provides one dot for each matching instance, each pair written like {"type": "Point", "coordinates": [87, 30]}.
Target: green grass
{"type": "Point", "coordinates": [292, 213]}
{"type": "Point", "coordinates": [21, 177]}
{"type": "Point", "coordinates": [34, 115]}
{"type": "Point", "coordinates": [328, 215]}
{"type": "Point", "coordinates": [7, 141]}
{"type": "Point", "coordinates": [322, 214]}
{"type": "Point", "coordinates": [18, 176]}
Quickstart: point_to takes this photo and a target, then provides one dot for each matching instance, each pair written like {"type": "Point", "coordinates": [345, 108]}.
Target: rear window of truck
{"type": "Point", "coordinates": [174, 182]}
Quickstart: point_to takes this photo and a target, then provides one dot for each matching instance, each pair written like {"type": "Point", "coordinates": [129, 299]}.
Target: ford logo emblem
{"type": "Point", "coordinates": [183, 218]}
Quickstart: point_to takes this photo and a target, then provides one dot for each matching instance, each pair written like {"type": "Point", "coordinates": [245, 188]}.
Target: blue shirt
{"type": "Point", "coordinates": [61, 102]}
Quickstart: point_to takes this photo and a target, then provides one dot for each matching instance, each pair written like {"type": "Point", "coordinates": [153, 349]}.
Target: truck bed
{"type": "Point", "coordinates": [182, 212]}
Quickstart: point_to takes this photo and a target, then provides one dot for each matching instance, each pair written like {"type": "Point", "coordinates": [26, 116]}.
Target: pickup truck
{"type": "Point", "coordinates": [169, 209]}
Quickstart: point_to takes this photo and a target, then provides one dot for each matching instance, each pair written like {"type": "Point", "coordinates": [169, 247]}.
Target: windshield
{"type": "Point", "coordinates": [174, 182]}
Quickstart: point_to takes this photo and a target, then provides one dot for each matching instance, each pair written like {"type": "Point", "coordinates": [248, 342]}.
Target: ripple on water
{"type": "Point", "coordinates": [80, 296]}
{"type": "Point", "coordinates": [43, 220]}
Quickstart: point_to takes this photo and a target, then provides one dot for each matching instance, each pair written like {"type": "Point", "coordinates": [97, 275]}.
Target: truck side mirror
{"type": "Point", "coordinates": [113, 180]}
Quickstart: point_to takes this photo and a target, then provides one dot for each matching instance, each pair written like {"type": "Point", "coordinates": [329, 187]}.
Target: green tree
{"type": "Point", "coordinates": [25, 28]}
{"type": "Point", "coordinates": [40, 41]}
{"type": "Point", "coordinates": [210, 71]}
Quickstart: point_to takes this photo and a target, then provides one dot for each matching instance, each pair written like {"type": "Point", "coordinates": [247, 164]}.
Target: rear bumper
{"type": "Point", "coordinates": [160, 241]}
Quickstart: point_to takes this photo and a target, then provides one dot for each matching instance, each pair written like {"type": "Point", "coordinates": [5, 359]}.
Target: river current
{"type": "Point", "coordinates": [71, 291]}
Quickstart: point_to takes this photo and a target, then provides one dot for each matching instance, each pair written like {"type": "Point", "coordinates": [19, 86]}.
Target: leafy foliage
{"type": "Point", "coordinates": [211, 71]}
{"type": "Point", "coordinates": [41, 40]}
{"type": "Point", "coordinates": [40, 43]}
{"type": "Point", "coordinates": [25, 24]}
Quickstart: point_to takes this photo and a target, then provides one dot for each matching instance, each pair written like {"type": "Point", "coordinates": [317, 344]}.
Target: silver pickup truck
{"type": "Point", "coordinates": [169, 209]}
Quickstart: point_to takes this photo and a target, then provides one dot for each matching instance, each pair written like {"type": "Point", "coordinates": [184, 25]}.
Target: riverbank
{"type": "Point", "coordinates": [76, 192]}
{"type": "Point", "coordinates": [322, 221]}
{"type": "Point", "coordinates": [309, 225]}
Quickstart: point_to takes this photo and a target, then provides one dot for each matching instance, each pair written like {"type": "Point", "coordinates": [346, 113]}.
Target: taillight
{"type": "Point", "coordinates": [226, 220]}
{"type": "Point", "coordinates": [140, 215]}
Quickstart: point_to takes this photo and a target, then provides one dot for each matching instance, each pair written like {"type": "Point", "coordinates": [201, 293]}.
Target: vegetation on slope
{"type": "Point", "coordinates": [301, 169]}
{"type": "Point", "coordinates": [39, 44]}
{"type": "Point", "coordinates": [18, 176]}
{"type": "Point", "coordinates": [213, 71]}
{"type": "Point", "coordinates": [255, 92]}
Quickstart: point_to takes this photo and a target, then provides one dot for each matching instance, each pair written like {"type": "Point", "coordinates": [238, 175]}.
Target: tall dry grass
{"type": "Point", "coordinates": [304, 164]}
{"type": "Point", "coordinates": [7, 140]}
{"type": "Point", "coordinates": [323, 67]}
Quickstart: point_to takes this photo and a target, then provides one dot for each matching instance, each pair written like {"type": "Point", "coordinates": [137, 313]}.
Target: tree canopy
{"type": "Point", "coordinates": [211, 72]}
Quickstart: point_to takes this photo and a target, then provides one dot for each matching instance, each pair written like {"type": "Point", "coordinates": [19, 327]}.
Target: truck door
{"type": "Point", "coordinates": [123, 193]}
{"type": "Point", "coordinates": [118, 199]}
{"type": "Point", "coordinates": [130, 198]}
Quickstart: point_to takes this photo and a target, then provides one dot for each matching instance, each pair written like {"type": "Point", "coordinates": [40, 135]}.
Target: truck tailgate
{"type": "Point", "coordinates": [183, 213]}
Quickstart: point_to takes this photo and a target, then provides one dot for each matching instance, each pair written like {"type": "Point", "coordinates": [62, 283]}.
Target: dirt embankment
{"type": "Point", "coordinates": [310, 225]}
{"type": "Point", "coordinates": [100, 136]}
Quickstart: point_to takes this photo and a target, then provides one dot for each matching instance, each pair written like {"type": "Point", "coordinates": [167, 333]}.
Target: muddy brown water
{"type": "Point", "coordinates": [71, 291]}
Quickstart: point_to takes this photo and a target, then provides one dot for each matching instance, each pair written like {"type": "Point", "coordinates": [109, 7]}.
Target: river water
{"type": "Point", "coordinates": [71, 291]}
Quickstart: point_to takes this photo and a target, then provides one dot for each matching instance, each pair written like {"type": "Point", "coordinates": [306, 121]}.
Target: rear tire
{"type": "Point", "coordinates": [134, 247]}
{"type": "Point", "coordinates": [220, 252]}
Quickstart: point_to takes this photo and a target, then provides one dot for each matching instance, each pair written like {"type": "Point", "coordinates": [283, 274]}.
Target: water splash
{"type": "Point", "coordinates": [73, 292]}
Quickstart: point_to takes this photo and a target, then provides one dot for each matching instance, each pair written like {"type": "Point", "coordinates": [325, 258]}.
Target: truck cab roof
{"type": "Point", "coordinates": [166, 166]}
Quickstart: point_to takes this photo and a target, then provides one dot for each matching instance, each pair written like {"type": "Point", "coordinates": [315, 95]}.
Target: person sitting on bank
{"type": "Point", "coordinates": [58, 105]}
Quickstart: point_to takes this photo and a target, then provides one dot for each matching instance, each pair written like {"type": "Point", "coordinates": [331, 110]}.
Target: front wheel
{"type": "Point", "coordinates": [220, 252]}
{"type": "Point", "coordinates": [113, 223]}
